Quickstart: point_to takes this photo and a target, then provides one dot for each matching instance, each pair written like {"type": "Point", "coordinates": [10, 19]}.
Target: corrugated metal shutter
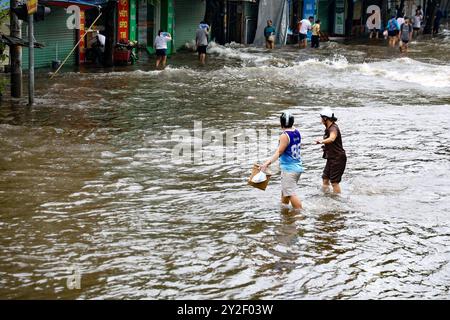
{"type": "Point", "coordinates": [52, 32]}
{"type": "Point", "coordinates": [323, 13]}
{"type": "Point", "coordinates": [188, 14]}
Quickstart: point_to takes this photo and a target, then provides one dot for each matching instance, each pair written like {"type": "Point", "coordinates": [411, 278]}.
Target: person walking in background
{"type": "Point", "coordinates": [406, 31]}
{"type": "Point", "coordinates": [160, 46]}
{"type": "Point", "coordinates": [398, 12]}
{"type": "Point", "coordinates": [269, 34]}
{"type": "Point", "coordinates": [392, 28]}
{"type": "Point", "coordinates": [290, 161]}
{"type": "Point", "coordinates": [333, 151]}
{"type": "Point", "coordinates": [417, 23]}
{"type": "Point", "coordinates": [437, 19]}
{"type": "Point", "coordinates": [400, 21]}
{"type": "Point", "coordinates": [303, 27]}
{"type": "Point", "coordinates": [315, 38]}
{"type": "Point", "coordinates": [420, 10]}
{"type": "Point", "coordinates": [201, 41]}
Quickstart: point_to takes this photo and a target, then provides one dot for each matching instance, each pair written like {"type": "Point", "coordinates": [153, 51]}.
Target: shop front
{"type": "Point", "coordinates": [60, 31]}
{"type": "Point", "coordinates": [151, 16]}
{"type": "Point", "coordinates": [57, 38]}
{"type": "Point", "coordinates": [242, 21]}
{"type": "Point", "coordinates": [188, 14]}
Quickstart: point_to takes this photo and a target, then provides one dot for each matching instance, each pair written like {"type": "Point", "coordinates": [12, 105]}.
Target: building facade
{"type": "Point", "coordinates": [241, 21]}
{"type": "Point", "coordinates": [120, 20]}
{"type": "Point", "coordinates": [188, 15]}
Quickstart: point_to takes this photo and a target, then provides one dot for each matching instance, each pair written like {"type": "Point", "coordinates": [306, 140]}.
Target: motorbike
{"type": "Point", "coordinates": [124, 52]}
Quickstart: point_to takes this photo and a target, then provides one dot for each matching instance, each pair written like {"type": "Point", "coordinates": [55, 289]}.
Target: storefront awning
{"type": "Point", "coordinates": [84, 5]}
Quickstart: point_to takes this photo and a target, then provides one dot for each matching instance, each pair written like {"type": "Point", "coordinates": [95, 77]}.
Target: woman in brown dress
{"type": "Point", "coordinates": [333, 151]}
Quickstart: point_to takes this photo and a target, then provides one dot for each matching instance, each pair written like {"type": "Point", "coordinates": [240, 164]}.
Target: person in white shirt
{"type": "Point", "coordinates": [97, 43]}
{"type": "Point", "coordinates": [417, 23]}
{"type": "Point", "coordinates": [420, 11]}
{"type": "Point", "coordinates": [201, 41]}
{"type": "Point", "coordinates": [400, 20]}
{"type": "Point", "coordinates": [303, 27]}
{"type": "Point", "coordinates": [160, 46]}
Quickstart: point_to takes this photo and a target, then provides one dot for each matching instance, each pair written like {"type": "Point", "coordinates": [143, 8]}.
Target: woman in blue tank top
{"type": "Point", "coordinates": [290, 161]}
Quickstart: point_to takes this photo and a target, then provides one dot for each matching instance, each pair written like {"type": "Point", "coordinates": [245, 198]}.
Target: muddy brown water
{"type": "Point", "coordinates": [89, 189]}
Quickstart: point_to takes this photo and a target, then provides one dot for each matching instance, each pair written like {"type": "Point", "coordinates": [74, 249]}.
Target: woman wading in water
{"type": "Point", "coordinates": [333, 151]}
{"type": "Point", "coordinates": [290, 161]}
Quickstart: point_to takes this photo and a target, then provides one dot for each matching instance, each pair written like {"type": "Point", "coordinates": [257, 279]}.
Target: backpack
{"type": "Point", "coordinates": [392, 25]}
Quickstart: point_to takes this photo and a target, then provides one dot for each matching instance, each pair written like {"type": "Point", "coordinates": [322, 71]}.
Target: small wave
{"type": "Point", "coordinates": [339, 72]}
{"type": "Point", "coordinates": [130, 74]}
{"type": "Point", "coordinates": [233, 51]}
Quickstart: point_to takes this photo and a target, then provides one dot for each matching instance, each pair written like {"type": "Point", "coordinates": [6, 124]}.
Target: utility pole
{"type": "Point", "coordinates": [15, 53]}
{"type": "Point", "coordinates": [225, 18]}
{"type": "Point", "coordinates": [30, 60]}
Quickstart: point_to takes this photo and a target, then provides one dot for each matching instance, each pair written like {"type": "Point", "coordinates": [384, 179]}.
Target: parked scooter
{"type": "Point", "coordinates": [124, 52]}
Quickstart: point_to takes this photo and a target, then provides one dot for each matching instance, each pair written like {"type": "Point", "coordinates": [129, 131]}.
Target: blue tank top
{"type": "Point", "coordinates": [290, 160]}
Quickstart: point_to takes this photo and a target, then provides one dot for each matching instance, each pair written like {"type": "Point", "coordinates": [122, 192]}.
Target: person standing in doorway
{"type": "Point", "coordinates": [303, 26]}
{"type": "Point", "coordinates": [201, 41]}
{"type": "Point", "coordinates": [398, 12]}
{"type": "Point", "coordinates": [333, 151]}
{"type": "Point", "coordinates": [98, 46]}
{"type": "Point", "coordinates": [406, 31]}
{"type": "Point", "coordinates": [437, 19]}
{"type": "Point", "coordinates": [269, 34]}
{"type": "Point", "coordinates": [315, 38]}
{"type": "Point", "coordinates": [288, 152]}
{"type": "Point", "coordinates": [161, 48]}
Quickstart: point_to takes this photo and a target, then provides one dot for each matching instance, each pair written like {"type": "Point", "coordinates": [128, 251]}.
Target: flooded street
{"type": "Point", "coordinates": [88, 186]}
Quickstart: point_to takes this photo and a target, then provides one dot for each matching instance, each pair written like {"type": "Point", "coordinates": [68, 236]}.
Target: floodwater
{"type": "Point", "coordinates": [93, 204]}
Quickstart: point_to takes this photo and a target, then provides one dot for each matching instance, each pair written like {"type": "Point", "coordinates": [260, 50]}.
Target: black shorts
{"type": "Point", "coordinates": [405, 41]}
{"type": "Point", "coordinates": [161, 52]}
{"type": "Point", "coordinates": [334, 169]}
{"type": "Point", "coordinates": [301, 37]}
{"type": "Point", "coordinates": [392, 33]}
{"type": "Point", "coordinates": [201, 49]}
{"type": "Point", "coordinates": [416, 29]}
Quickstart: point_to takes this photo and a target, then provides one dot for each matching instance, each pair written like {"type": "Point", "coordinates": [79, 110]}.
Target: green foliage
{"type": "Point", "coordinates": [3, 82]}
{"type": "Point", "coordinates": [3, 55]}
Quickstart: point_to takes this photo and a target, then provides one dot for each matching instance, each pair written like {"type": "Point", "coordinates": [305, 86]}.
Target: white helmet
{"type": "Point", "coordinates": [326, 112]}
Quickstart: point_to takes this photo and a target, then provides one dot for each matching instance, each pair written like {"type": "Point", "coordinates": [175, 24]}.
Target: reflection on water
{"type": "Point", "coordinates": [88, 188]}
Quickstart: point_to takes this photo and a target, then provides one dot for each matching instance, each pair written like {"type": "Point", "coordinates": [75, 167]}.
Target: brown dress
{"type": "Point", "coordinates": [335, 155]}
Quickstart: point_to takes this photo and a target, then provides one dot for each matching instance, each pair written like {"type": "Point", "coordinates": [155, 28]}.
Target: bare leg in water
{"type": "Point", "coordinates": [202, 58]}
{"type": "Point", "coordinates": [294, 200]}
{"type": "Point", "coordinates": [326, 186]}
{"type": "Point", "coordinates": [336, 187]}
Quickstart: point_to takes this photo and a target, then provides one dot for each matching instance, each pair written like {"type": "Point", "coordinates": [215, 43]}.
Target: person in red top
{"type": "Point", "coordinates": [333, 151]}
